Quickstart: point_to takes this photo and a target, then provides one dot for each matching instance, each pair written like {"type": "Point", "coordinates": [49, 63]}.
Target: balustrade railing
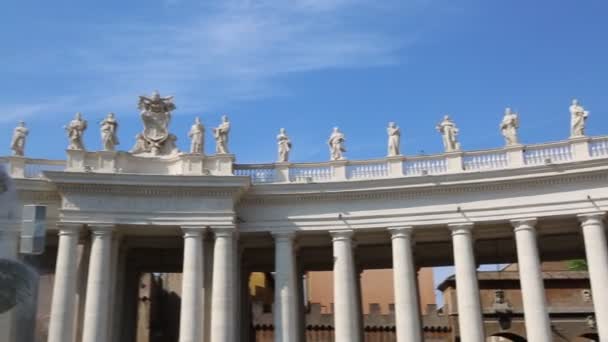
{"type": "Point", "coordinates": [419, 166]}
{"type": "Point", "coordinates": [514, 156]}
{"type": "Point", "coordinates": [35, 167]}
{"type": "Point", "coordinates": [258, 173]}
{"type": "Point", "coordinates": [367, 170]}
{"type": "Point", "coordinates": [548, 153]}
{"type": "Point", "coordinates": [485, 160]}
{"type": "Point", "coordinates": [313, 173]}
{"type": "Point", "coordinates": [598, 147]}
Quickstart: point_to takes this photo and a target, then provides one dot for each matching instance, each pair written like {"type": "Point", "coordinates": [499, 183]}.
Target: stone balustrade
{"type": "Point", "coordinates": [576, 149]}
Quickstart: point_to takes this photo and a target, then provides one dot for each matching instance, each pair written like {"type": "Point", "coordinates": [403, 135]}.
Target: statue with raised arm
{"type": "Point", "coordinates": [155, 140]}
{"type": "Point", "coordinates": [19, 137]}
{"type": "Point", "coordinates": [284, 146]}
{"type": "Point", "coordinates": [109, 130]}
{"type": "Point", "coordinates": [394, 139]}
{"type": "Point", "coordinates": [220, 133]}
{"type": "Point", "coordinates": [75, 131]}
{"type": "Point", "coordinates": [578, 117]}
{"type": "Point", "coordinates": [336, 144]}
{"type": "Point", "coordinates": [509, 126]}
{"type": "Point", "coordinates": [449, 132]}
{"type": "Point", "coordinates": [197, 137]}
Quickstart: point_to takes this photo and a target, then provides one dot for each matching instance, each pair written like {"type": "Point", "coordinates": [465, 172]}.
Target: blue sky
{"type": "Point", "coordinates": [306, 65]}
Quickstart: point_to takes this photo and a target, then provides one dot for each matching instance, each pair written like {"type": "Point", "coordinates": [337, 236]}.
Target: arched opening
{"type": "Point", "coordinates": [505, 337]}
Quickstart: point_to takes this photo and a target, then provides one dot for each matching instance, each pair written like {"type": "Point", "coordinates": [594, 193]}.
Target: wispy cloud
{"type": "Point", "coordinates": [235, 50]}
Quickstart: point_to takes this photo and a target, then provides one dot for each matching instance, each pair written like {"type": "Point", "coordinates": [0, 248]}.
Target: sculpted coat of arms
{"type": "Point", "coordinates": [155, 139]}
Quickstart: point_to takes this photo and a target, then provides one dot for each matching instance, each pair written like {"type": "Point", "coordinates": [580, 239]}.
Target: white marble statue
{"type": "Point", "coordinates": [197, 137]}
{"type": "Point", "coordinates": [155, 140]}
{"type": "Point", "coordinates": [449, 131]}
{"type": "Point", "coordinates": [336, 145]}
{"type": "Point", "coordinates": [19, 137]}
{"type": "Point", "coordinates": [578, 116]}
{"type": "Point", "coordinates": [221, 136]}
{"type": "Point", "coordinates": [75, 130]}
{"type": "Point", "coordinates": [284, 146]}
{"type": "Point", "coordinates": [394, 139]}
{"type": "Point", "coordinates": [509, 126]}
{"type": "Point", "coordinates": [109, 130]}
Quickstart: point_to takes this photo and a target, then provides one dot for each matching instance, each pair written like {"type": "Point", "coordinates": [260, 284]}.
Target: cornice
{"type": "Point", "coordinates": [407, 187]}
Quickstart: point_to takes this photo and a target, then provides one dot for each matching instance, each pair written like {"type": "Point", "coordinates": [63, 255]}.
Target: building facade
{"type": "Point", "coordinates": [114, 215]}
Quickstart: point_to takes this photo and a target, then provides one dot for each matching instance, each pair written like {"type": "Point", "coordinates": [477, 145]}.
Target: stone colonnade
{"type": "Point", "coordinates": [224, 303]}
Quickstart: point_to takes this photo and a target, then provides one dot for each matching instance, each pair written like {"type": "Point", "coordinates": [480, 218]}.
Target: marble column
{"type": "Point", "coordinates": [62, 317]}
{"type": "Point", "coordinates": [407, 313]}
{"type": "Point", "coordinates": [222, 300]}
{"type": "Point", "coordinates": [538, 325]}
{"type": "Point", "coordinates": [346, 324]}
{"type": "Point", "coordinates": [470, 319]}
{"type": "Point", "coordinates": [191, 310]}
{"type": "Point", "coordinates": [97, 305]}
{"type": "Point", "coordinates": [596, 249]}
{"type": "Point", "coordinates": [285, 305]}
{"type": "Point", "coordinates": [9, 242]}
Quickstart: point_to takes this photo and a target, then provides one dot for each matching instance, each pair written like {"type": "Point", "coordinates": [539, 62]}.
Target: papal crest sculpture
{"type": "Point", "coordinates": [155, 140]}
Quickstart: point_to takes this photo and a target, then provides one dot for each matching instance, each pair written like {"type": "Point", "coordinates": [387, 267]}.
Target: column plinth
{"type": "Point", "coordinates": [596, 249]}
{"type": "Point", "coordinates": [470, 319]}
{"type": "Point", "coordinates": [97, 305]}
{"type": "Point", "coordinates": [191, 315]}
{"type": "Point", "coordinates": [345, 291]}
{"type": "Point", "coordinates": [407, 314]}
{"type": "Point", "coordinates": [538, 325]}
{"type": "Point", "coordinates": [62, 318]}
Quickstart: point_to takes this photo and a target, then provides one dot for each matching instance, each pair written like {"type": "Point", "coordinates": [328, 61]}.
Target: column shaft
{"type": "Point", "coordinates": [407, 313]}
{"type": "Point", "coordinates": [222, 301]}
{"type": "Point", "coordinates": [470, 319]}
{"type": "Point", "coordinates": [596, 249]}
{"type": "Point", "coordinates": [61, 321]}
{"type": "Point", "coordinates": [346, 324]}
{"type": "Point", "coordinates": [190, 328]}
{"type": "Point", "coordinates": [285, 304]}
{"type": "Point", "coordinates": [538, 325]}
{"type": "Point", "coordinates": [96, 312]}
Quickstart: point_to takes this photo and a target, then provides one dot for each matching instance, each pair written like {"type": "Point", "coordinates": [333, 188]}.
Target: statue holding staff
{"type": "Point", "coordinates": [449, 132]}
{"type": "Point", "coordinates": [197, 137]}
{"type": "Point", "coordinates": [221, 136]}
{"type": "Point", "coordinates": [394, 139]}
{"type": "Point", "coordinates": [109, 130]}
{"type": "Point", "coordinates": [75, 131]}
{"type": "Point", "coordinates": [509, 126]}
{"type": "Point", "coordinates": [336, 145]}
{"type": "Point", "coordinates": [578, 117]}
{"type": "Point", "coordinates": [19, 138]}
{"type": "Point", "coordinates": [284, 146]}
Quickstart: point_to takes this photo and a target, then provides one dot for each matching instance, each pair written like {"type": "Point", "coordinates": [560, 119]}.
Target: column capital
{"type": "Point", "coordinates": [524, 224]}
{"type": "Point", "coordinates": [194, 231]}
{"type": "Point", "coordinates": [69, 228]}
{"type": "Point", "coordinates": [597, 217]}
{"type": "Point", "coordinates": [283, 236]}
{"type": "Point", "coordinates": [463, 228]}
{"type": "Point", "coordinates": [342, 235]}
{"type": "Point", "coordinates": [223, 232]}
{"type": "Point", "coordinates": [401, 232]}
{"type": "Point", "coordinates": [102, 229]}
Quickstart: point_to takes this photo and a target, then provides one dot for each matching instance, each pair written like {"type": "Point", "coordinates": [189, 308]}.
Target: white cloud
{"type": "Point", "coordinates": [234, 50]}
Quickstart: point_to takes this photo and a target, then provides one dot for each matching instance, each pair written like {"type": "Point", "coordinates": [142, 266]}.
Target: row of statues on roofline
{"type": "Point", "coordinates": [155, 139]}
